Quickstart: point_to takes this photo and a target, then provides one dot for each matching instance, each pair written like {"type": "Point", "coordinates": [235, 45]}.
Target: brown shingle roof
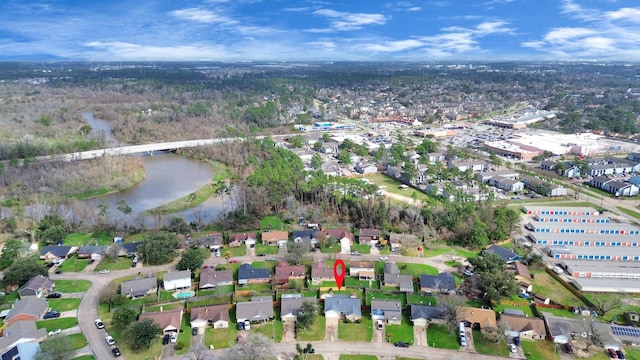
{"type": "Point", "coordinates": [523, 323]}
{"type": "Point", "coordinates": [484, 317]}
{"type": "Point", "coordinates": [284, 271]}
{"type": "Point", "coordinates": [165, 319]}
{"type": "Point", "coordinates": [210, 312]}
{"type": "Point", "coordinates": [274, 236]}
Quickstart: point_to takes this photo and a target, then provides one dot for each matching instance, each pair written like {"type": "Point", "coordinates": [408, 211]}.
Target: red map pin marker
{"type": "Point", "coordinates": [339, 274]}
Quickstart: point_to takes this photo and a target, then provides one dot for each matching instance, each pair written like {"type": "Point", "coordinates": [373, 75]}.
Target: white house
{"type": "Point", "coordinates": [177, 280]}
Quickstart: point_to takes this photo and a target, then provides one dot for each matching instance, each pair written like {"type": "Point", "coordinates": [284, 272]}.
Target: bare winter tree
{"type": "Point", "coordinates": [451, 314]}
{"type": "Point", "coordinates": [254, 347]}
{"type": "Point", "coordinates": [605, 304]}
{"type": "Point", "coordinates": [199, 353]}
{"type": "Point", "coordinates": [199, 217]}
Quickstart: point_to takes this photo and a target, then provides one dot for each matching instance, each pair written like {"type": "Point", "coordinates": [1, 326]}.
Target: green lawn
{"type": "Point", "coordinates": [163, 307]}
{"type": "Point", "coordinates": [422, 299]}
{"type": "Point", "coordinates": [442, 250]}
{"type": "Point", "coordinates": [629, 212]}
{"type": "Point", "coordinates": [356, 332]}
{"type": "Point", "coordinates": [315, 332]}
{"type": "Point", "coordinates": [265, 265]}
{"type": "Point", "coordinates": [218, 290]}
{"type": "Point", "coordinates": [267, 249]}
{"type": "Point", "coordinates": [385, 296]}
{"type": "Point", "coordinates": [71, 286]}
{"type": "Point", "coordinates": [220, 338]}
{"type": "Point", "coordinates": [416, 270]}
{"type": "Point", "coordinates": [363, 249]}
{"type": "Point", "coordinates": [79, 239]}
{"type": "Point", "coordinates": [59, 323]}
{"type": "Point", "coordinates": [64, 304]}
{"type": "Point", "coordinates": [439, 337]}
{"type": "Point", "coordinates": [74, 265]}
{"type": "Point", "coordinates": [256, 287]}
{"type": "Point", "coordinates": [9, 298]}
{"type": "Point", "coordinates": [121, 263]}
{"type": "Point", "coordinates": [272, 329]}
{"type": "Point", "coordinates": [353, 282]}
{"type": "Point", "coordinates": [358, 357]}
{"type": "Point", "coordinates": [391, 185]}
{"type": "Point", "coordinates": [545, 284]}
{"type": "Point", "coordinates": [402, 332]}
{"type": "Point", "coordinates": [185, 335]}
{"type": "Point", "coordinates": [273, 223]}
{"type": "Point", "coordinates": [485, 346]}
{"type": "Point", "coordinates": [632, 353]}
{"type": "Point", "coordinates": [78, 341]}
{"type": "Point", "coordinates": [527, 309]}
{"type": "Point", "coordinates": [85, 357]}
{"type": "Point", "coordinates": [235, 251]}
{"type": "Point", "coordinates": [538, 350]}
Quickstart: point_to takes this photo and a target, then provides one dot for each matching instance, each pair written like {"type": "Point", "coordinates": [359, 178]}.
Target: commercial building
{"type": "Point", "coordinates": [602, 253]}
{"type": "Point", "coordinates": [583, 240]}
{"type": "Point", "coordinates": [559, 210]}
{"type": "Point", "coordinates": [583, 228]}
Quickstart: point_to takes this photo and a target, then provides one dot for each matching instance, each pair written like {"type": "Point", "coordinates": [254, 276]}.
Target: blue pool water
{"type": "Point", "coordinates": [184, 294]}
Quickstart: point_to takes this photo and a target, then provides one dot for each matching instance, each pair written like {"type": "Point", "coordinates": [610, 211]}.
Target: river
{"type": "Point", "coordinates": [168, 177]}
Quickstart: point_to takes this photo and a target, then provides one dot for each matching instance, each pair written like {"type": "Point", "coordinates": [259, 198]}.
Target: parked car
{"type": "Point", "coordinates": [567, 348]}
{"type": "Point", "coordinates": [401, 344]}
{"type": "Point", "coordinates": [516, 341]}
{"type": "Point", "coordinates": [384, 258]}
{"type": "Point", "coordinates": [116, 352]}
{"type": "Point", "coordinates": [99, 323]}
{"type": "Point", "coordinates": [58, 271]}
{"type": "Point", "coordinates": [463, 341]}
{"type": "Point", "coordinates": [54, 332]}
{"type": "Point", "coordinates": [49, 265]}
{"type": "Point", "coordinates": [91, 261]}
{"type": "Point", "coordinates": [105, 271]}
{"type": "Point", "coordinates": [261, 255]}
{"type": "Point", "coordinates": [174, 336]}
{"type": "Point", "coordinates": [308, 351]}
{"type": "Point", "coordinates": [234, 261]}
{"type": "Point", "coordinates": [356, 253]}
{"type": "Point", "coordinates": [51, 315]}
{"type": "Point", "coordinates": [620, 354]}
{"type": "Point", "coordinates": [612, 353]}
{"type": "Point", "coordinates": [247, 325]}
{"type": "Point", "coordinates": [240, 326]}
{"type": "Point", "coordinates": [513, 348]}
{"type": "Point", "coordinates": [194, 331]}
{"type": "Point", "coordinates": [468, 272]}
{"type": "Point", "coordinates": [524, 295]}
{"type": "Point", "coordinates": [271, 258]}
{"type": "Point", "coordinates": [379, 325]}
{"type": "Point", "coordinates": [165, 339]}
{"type": "Point", "coordinates": [54, 295]}
{"type": "Point", "coordinates": [109, 340]}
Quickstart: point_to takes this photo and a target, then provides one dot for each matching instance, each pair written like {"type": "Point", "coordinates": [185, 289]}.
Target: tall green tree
{"type": "Point", "coordinates": [123, 316]}
{"type": "Point", "coordinates": [21, 271]}
{"type": "Point", "coordinates": [307, 314]}
{"type": "Point", "coordinates": [191, 259]}
{"type": "Point", "coordinates": [139, 334]}
{"type": "Point", "coordinates": [158, 248]}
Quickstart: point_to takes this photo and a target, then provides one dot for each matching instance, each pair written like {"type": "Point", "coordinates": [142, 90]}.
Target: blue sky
{"type": "Point", "coordinates": [298, 30]}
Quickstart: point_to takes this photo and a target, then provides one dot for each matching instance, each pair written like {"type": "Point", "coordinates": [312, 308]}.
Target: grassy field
{"type": "Point", "coordinates": [121, 263]}
{"type": "Point", "coordinates": [538, 350]}
{"type": "Point", "coordinates": [390, 185]}
{"type": "Point", "coordinates": [527, 309]}
{"type": "Point", "coordinates": [78, 341]}
{"type": "Point", "coordinates": [402, 332]}
{"type": "Point", "coordinates": [59, 323]}
{"type": "Point", "coordinates": [64, 304]}
{"type": "Point", "coordinates": [272, 330]}
{"type": "Point", "coordinates": [416, 270]}
{"type": "Point", "coordinates": [220, 338]}
{"type": "Point", "coordinates": [9, 298]}
{"type": "Point", "coordinates": [438, 337]}
{"type": "Point", "coordinates": [79, 239]}
{"type": "Point", "coordinates": [356, 332]}
{"type": "Point", "coordinates": [632, 353]}
{"type": "Point", "coordinates": [71, 286]}
{"type": "Point", "coordinates": [273, 223]}
{"type": "Point", "coordinates": [85, 357]}
{"type": "Point", "coordinates": [315, 332]}
{"type": "Point", "coordinates": [236, 251]}
{"type": "Point", "coordinates": [73, 265]}
{"type": "Point", "coordinates": [267, 249]}
{"type": "Point", "coordinates": [422, 299]}
{"type": "Point", "coordinates": [629, 212]}
{"type": "Point", "coordinates": [485, 346]}
{"type": "Point", "coordinates": [544, 284]}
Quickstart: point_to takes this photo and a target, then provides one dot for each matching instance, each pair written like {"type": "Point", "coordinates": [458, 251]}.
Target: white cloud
{"type": "Point", "coordinates": [201, 15]}
{"type": "Point", "coordinates": [562, 35]}
{"type": "Point", "coordinates": [391, 46]}
{"type": "Point", "coordinates": [625, 14]}
{"type": "Point", "coordinates": [343, 21]}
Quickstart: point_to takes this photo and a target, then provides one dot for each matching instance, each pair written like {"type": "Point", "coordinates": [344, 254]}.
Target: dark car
{"type": "Point", "coordinates": [240, 326]}
{"type": "Point", "coordinates": [49, 265]}
{"type": "Point", "coordinates": [54, 295]}
{"type": "Point", "coordinates": [516, 341]}
{"type": "Point", "coordinates": [612, 353]}
{"type": "Point", "coordinates": [58, 271]}
{"type": "Point", "coordinates": [194, 331]}
{"type": "Point", "coordinates": [91, 261]}
{"type": "Point", "coordinates": [51, 315]}
{"type": "Point", "coordinates": [166, 339]}
{"type": "Point", "coordinates": [401, 344]}
{"type": "Point", "coordinates": [116, 352]}
{"type": "Point", "coordinates": [261, 254]}
{"type": "Point", "coordinates": [567, 348]}
{"type": "Point", "coordinates": [620, 354]}
{"type": "Point", "coordinates": [308, 351]}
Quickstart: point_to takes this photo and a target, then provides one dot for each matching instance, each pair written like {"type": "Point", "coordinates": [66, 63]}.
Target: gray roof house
{"type": "Point", "coordinates": [423, 315]}
{"type": "Point", "coordinates": [291, 304]}
{"type": "Point", "coordinates": [260, 308]}
{"type": "Point", "coordinates": [210, 278]}
{"type": "Point", "coordinates": [177, 280]}
{"type": "Point", "coordinates": [342, 306]}
{"type": "Point", "coordinates": [392, 277]}
{"type": "Point", "coordinates": [30, 308]}
{"type": "Point", "coordinates": [52, 252]}
{"type": "Point", "coordinates": [388, 310]}
{"type": "Point", "coordinates": [443, 282]}
{"type": "Point", "coordinates": [247, 274]}
{"type": "Point", "coordinates": [505, 254]}
{"type": "Point", "coordinates": [20, 332]}
{"type": "Point", "coordinates": [37, 286]}
{"type": "Point", "coordinates": [92, 252]}
{"type": "Point", "coordinates": [139, 287]}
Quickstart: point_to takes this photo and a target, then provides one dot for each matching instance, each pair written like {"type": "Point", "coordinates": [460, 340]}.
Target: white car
{"type": "Point", "coordinates": [512, 348]}
{"type": "Point", "coordinates": [105, 271]}
{"type": "Point", "coordinates": [379, 325]}
{"type": "Point", "coordinates": [54, 332]}
{"type": "Point", "coordinates": [384, 258]}
{"type": "Point", "coordinates": [99, 323]}
{"type": "Point", "coordinates": [109, 340]}
{"type": "Point", "coordinates": [174, 337]}
{"type": "Point", "coordinates": [247, 325]}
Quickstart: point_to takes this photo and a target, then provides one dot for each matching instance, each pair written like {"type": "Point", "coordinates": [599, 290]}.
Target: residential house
{"type": "Point", "coordinates": [543, 187]}
{"type": "Point", "coordinates": [17, 334]}
{"type": "Point", "coordinates": [435, 157]}
{"type": "Point", "coordinates": [424, 315]}
{"type": "Point", "coordinates": [38, 286]}
{"type": "Point", "coordinates": [390, 311]}
{"type": "Point", "coordinates": [526, 327]}
{"type": "Point", "coordinates": [485, 319]}
{"type": "Point", "coordinates": [503, 253]}
{"type": "Point", "coordinates": [53, 252]}
{"type": "Point", "coordinates": [464, 165]}
{"type": "Point", "coordinates": [29, 309]}
{"type": "Point", "coordinates": [213, 240]}
{"type": "Point", "coordinates": [305, 236]}
{"type": "Point", "coordinates": [128, 249]}
{"type": "Point", "coordinates": [363, 270]}
{"type": "Point", "coordinates": [521, 272]}
{"type": "Point", "coordinates": [369, 237]}
{"type": "Point", "coordinates": [342, 307]}
{"type": "Point", "coordinates": [548, 165]}
{"type": "Point", "coordinates": [95, 252]}
{"type": "Point", "coordinates": [260, 308]}
{"type": "Point", "coordinates": [215, 315]}
{"type": "Point", "coordinates": [398, 240]}
{"type": "Point", "coordinates": [484, 177]}
{"type": "Point", "coordinates": [238, 239]}
{"type": "Point", "coordinates": [140, 287]}
{"type": "Point", "coordinates": [443, 282]}
{"type": "Point", "coordinates": [510, 185]}
{"type": "Point", "coordinates": [366, 168]}
{"type": "Point", "coordinates": [177, 280]}
{"type": "Point", "coordinates": [210, 278]}
{"type": "Point", "coordinates": [275, 237]}
{"type": "Point", "coordinates": [168, 320]}
{"type": "Point", "coordinates": [392, 277]}
{"type": "Point", "coordinates": [286, 272]}
{"type": "Point", "coordinates": [247, 274]}
{"type": "Point", "coordinates": [290, 305]}
{"type": "Point", "coordinates": [320, 272]}
{"type": "Point", "coordinates": [343, 236]}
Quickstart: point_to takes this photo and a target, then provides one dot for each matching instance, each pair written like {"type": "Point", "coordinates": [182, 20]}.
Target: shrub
{"type": "Point", "coordinates": [179, 345]}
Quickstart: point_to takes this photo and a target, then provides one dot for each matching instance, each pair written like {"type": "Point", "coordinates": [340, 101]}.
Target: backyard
{"type": "Point", "coordinates": [402, 332]}
{"type": "Point", "coordinates": [416, 270]}
{"type": "Point", "coordinates": [545, 284]}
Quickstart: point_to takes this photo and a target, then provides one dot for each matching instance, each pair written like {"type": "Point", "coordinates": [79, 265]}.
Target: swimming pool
{"type": "Point", "coordinates": [184, 294]}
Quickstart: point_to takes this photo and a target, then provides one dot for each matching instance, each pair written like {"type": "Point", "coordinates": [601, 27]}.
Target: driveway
{"type": "Point", "coordinates": [168, 351]}
{"type": "Point", "coordinates": [378, 335]}
{"type": "Point", "coordinates": [420, 336]}
{"type": "Point", "coordinates": [197, 340]}
{"type": "Point", "coordinates": [331, 329]}
{"type": "Point", "coordinates": [471, 347]}
{"type": "Point", "coordinates": [289, 331]}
